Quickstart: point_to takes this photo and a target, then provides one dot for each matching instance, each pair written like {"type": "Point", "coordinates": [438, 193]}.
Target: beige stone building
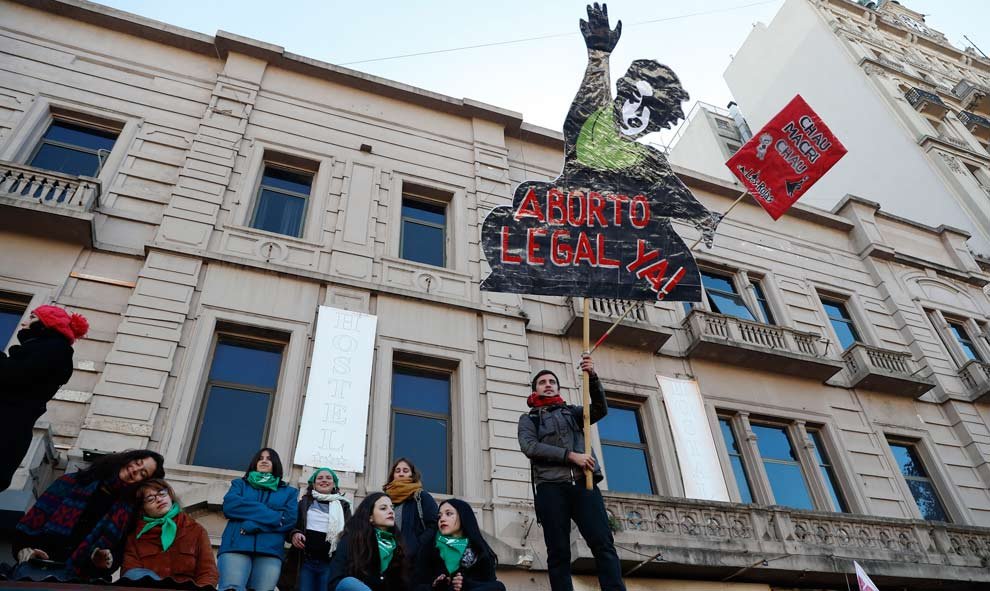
{"type": "Point", "coordinates": [199, 198]}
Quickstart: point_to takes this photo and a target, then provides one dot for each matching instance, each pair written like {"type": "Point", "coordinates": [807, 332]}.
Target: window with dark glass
{"type": "Point", "coordinates": [12, 310]}
{"type": "Point", "coordinates": [922, 488]}
{"type": "Point", "coordinates": [73, 149]}
{"type": "Point", "coordinates": [828, 472]}
{"type": "Point", "coordinates": [281, 203]}
{"type": "Point", "coordinates": [783, 467]}
{"type": "Point", "coordinates": [424, 231]}
{"type": "Point", "coordinates": [723, 297]}
{"type": "Point", "coordinates": [961, 335]}
{"type": "Point", "coordinates": [421, 423]}
{"type": "Point", "coordinates": [762, 303]}
{"type": "Point", "coordinates": [239, 393]}
{"type": "Point", "coordinates": [626, 461]}
{"type": "Point", "coordinates": [841, 322]}
{"type": "Point", "coordinates": [735, 459]}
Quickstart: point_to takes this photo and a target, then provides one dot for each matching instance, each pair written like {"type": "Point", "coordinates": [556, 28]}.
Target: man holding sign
{"type": "Point", "coordinates": [552, 438]}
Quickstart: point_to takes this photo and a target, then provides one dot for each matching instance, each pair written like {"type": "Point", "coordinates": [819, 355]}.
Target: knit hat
{"type": "Point", "coordinates": [71, 326]}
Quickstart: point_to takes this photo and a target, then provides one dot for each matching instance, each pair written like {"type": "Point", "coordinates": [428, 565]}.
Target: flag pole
{"type": "Point", "coordinates": [724, 215]}
{"type": "Point", "coordinates": [586, 379]}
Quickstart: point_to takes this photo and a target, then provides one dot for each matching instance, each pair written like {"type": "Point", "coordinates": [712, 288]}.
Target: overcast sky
{"type": "Point", "coordinates": [535, 77]}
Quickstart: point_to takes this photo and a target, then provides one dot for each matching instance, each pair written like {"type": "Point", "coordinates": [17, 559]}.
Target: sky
{"type": "Point", "coordinates": [537, 77]}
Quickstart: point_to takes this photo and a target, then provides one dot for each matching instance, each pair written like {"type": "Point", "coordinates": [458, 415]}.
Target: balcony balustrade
{"type": "Point", "coordinates": [758, 346]}
{"type": "Point", "coordinates": [926, 102]}
{"type": "Point", "coordinates": [642, 328]}
{"type": "Point", "coordinates": [976, 124]}
{"type": "Point", "coordinates": [48, 203]}
{"type": "Point", "coordinates": [975, 375]}
{"type": "Point", "coordinates": [882, 370]}
{"type": "Point", "coordinates": [974, 97]}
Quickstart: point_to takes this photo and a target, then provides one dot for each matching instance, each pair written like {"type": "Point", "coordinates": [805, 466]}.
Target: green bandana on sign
{"type": "Point", "coordinates": [263, 480]}
{"type": "Point", "coordinates": [386, 547]}
{"type": "Point", "coordinates": [167, 522]}
{"type": "Point", "coordinates": [600, 146]}
{"type": "Point", "coordinates": [451, 551]}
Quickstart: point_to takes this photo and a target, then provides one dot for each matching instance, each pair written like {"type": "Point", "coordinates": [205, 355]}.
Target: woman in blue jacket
{"type": "Point", "coordinates": [261, 511]}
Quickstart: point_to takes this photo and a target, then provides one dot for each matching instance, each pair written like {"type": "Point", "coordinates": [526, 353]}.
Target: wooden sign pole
{"type": "Point", "coordinates": [588, 474]}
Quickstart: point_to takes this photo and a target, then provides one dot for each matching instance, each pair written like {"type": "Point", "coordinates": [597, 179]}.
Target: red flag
{"type": "Point", "coordinates": [786, 157]}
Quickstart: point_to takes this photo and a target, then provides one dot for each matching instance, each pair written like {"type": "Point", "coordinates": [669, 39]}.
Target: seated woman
{"type": "Point", "coordinates": [166, 542]}
{"type": "Point", "coordinates": [415, 509]}
{"type": "Point", "coordinates": [322, 513]}
{"type": "Point", "coordinates": [456, 557]}
{"type": "Point", "coordinates": [261, 511]}
{"type": "Point", "coordinates": [369, 556]}
{"type": "Point", "coordinates": [78, 525]}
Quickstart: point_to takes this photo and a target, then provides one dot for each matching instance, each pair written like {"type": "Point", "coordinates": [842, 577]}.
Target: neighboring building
{"type": "Point", "coordinates": [913, 110]}
{"type": "Point", "coordinates": [198, 198]}
{"type": "Point", "coordinates": [706, 139]}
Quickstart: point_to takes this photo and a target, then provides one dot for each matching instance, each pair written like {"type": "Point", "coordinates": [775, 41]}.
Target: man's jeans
{"type": "Point", "coordinates": [241, 571]}
{"type": "Point", "coordinates": [557, 503]}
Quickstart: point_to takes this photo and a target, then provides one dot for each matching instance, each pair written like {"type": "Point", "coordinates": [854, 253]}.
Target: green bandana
{"type": "Point", "coordinates": [265, 480]}
{"type": "Point", "coordinates": [451, 551]}
{"type": "Point", "coordinates": [336, 481]}
{"type": "Point", "coordinates": [600, 146]}
{"type": "Point", "coordinates": [167, 522]}
{"type": "Point", "coordinates": [386, 547]}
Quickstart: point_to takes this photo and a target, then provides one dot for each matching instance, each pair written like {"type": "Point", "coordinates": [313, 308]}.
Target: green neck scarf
{"type": "Point", "coordinates": [263, 480]}
{"type": "Point", "coordinates": [167, 521]}
{"type": "Point", "coordinates": [601, 146]}
{"type": "Point", "coordinates": [386, 547]}
{"type": "Point", "coordinates": [451, 550]}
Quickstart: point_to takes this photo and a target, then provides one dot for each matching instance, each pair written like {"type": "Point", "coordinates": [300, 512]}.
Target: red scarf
{"type": "Point", "coordinates": [537, 401]}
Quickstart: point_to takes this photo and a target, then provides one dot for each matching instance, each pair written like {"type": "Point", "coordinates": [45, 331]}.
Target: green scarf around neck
{"type": "Point", "coordinates": [263, 480]}
{"type": "Point", "coordinates": [451, 550]}
{"type": "Point", "coordinates": [386, 547]}
{"type": "Point", "coordinates": [167, 521]}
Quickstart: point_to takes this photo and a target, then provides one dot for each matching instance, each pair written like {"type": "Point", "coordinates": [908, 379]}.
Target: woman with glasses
{"type": "Point", "coordinates": [167, 543]}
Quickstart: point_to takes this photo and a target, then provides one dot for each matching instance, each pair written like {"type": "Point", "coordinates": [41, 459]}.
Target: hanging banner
{"type": "Point", "coordinates": [335, 416]}
{"type": "Point", "coordinates": [865, 583]}
{"type": "Point", "coordinates": [785, 158]}
{"type": "Point", "coordinates": [701, 471]}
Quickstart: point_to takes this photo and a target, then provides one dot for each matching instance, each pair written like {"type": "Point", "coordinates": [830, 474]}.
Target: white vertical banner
{"type": "Point", "coordinates": [335, 416]}
{"type": "Point", "coordinates": [696, 455]}
{"type": "Point", "coordinates": [865, 583]}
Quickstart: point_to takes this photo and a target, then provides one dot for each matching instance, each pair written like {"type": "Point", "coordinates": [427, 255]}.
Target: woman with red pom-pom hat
{"type": "Point", "coordinates": [30, 374]}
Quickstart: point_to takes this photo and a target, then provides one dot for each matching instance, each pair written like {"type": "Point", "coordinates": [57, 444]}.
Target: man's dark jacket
{"type": "Point", "coordinates": [30, 375]}
{"type": "Point", "coordinates": [547, 434]}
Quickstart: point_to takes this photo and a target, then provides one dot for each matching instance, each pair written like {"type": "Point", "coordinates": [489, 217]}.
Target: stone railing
{"type": "Point", "coordinates": [731, 532]}
{"type": "Point", "coordinates": [970, 93]}
{"type": "Point", "coordinates": [975, 375]}
{"type": "Point", "coordinates": [615, 308]}
{"type": "Point", "coordinates": [644, 326]}
{"type": "Point", "coordinates": [50, 189]}
{"type": "Point", "coordinates": [975, 123]}
{"type": "Point", "coordinates": [701, 324]}
{"type": "Point", "coordinates": [885, 370]}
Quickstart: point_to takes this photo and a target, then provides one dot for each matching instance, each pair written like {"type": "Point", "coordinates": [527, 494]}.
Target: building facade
{"type": "Point", "coordinates": [200, 198]}
{"type": "Point", "coordinates": [912, 109]}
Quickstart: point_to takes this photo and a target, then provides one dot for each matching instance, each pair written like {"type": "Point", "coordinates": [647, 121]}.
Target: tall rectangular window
{"type": "Point", "coordinates": [280, 206]}
{"type": "Point", "coordinates": [723, 297]}
{"type": "Point", "coordinates": [922, 488]}
{"type": "Point", "coordinates": [421, 423]}
{"type": "Point", "coordinates": [762, 303]}
{"type": "Point", "coordinates": [424, 231]}
{"type": "Point", "coordinates": [73, 149]}
{"type": "Point", "coordinates": [242, 383]}
{"type": "Point", "coordinates": [627, 463]}
{"type": "Point", "coordinates": [735, 459]}
{"type": "Point", "coordinates": [827, 472]}
{"type": "Point", "coordinates": [841, 322]}
{"type": "Point", "coordinates": [962, 337]}
{"type": "Point", "coordinates": [783, 467]}
{"type": "Point", "coordinates": [12, 308]}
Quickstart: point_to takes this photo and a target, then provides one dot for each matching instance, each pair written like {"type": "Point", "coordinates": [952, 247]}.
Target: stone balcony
{"type": "Point", "coordinates": [777, 545]}
{"type": "Point", "coordinates": [883, 370]}
{"type": "Point", "coordinates": [974, 96]}
{"type": "Point", "coordinates": [976, 124]}
{"type": "Point", "coordinates": [924, 101]}
{"type": "Point", "coordinates": [47, 203]}
{"type": "Point", "coordinates": [758, 346]}
{"type": "Point", "coordinates": [643, 328]}
{"type": "Point", "coordinates": [975, 375]}
{"type": "Point", "coordinates": [32, 477]}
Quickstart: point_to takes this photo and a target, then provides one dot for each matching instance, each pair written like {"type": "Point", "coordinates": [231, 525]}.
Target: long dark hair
{"type": "Point", "coordinates": [362, 552]}
{"type": "Point", "coordinates": [416, 476]}
{"type": "Point", "coordinates": [470, 528]}
{"type": "Point", "coordinates": [106, 468]}
{"type": "Point", "coordinates": [276, 463]}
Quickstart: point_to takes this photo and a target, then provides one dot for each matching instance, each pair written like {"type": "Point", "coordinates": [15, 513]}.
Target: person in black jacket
{"type": "Point", "coordinates": [30, 375]}
{"type": "Point", "coordinates": [456, 558]}
{"type": "Point", "coordinates": [370, 555]}
{"type": "Point", "coordinates": [323, 510]}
